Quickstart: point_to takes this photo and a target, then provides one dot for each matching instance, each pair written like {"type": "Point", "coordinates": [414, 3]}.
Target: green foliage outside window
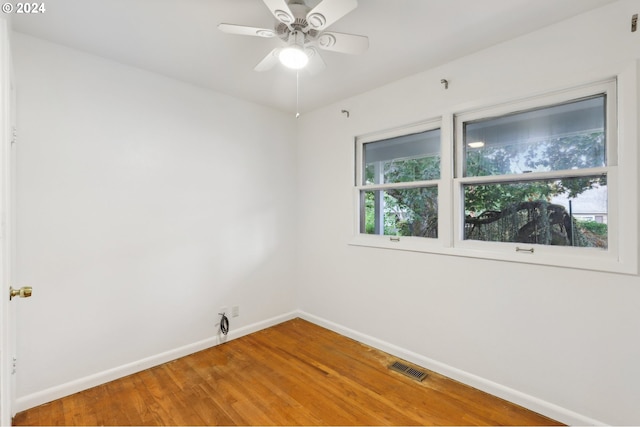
{"type": "Point", "coordinates": [407, 211]}
{"type": "Point", "coordinates": [526, 205]}
{"type": "Point", "coordinates": [521, 211]}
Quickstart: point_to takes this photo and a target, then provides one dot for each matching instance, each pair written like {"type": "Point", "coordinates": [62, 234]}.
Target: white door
{"type": "Point", "coordinates": [7, 247]}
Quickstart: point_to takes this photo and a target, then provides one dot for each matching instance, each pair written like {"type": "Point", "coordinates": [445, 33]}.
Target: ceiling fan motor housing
{"type": "Point", "coordinates": [300, 23]}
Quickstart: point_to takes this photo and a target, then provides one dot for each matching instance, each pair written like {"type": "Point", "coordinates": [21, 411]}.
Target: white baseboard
{"type": "Point", "coordinates": [71, 387]}
{"type": "Point", "coordinates": [527, 401]}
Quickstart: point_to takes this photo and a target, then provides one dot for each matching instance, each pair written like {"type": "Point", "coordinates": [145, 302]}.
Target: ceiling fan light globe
{"type": "Point", "coordinates": [293, 57]}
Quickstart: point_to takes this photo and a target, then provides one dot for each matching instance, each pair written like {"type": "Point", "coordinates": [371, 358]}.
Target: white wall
{"type": "Point", "coordinates": [144, 205]}
{"type": "Point", "coordinates": [562, 341]}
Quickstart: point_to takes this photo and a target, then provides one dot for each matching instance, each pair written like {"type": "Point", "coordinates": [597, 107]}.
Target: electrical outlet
{"type": "Point", "coordinates": [235, 311]}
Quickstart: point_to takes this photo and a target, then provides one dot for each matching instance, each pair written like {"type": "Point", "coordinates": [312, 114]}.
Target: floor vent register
{"type": "Point", "coordinates": [408, 371]}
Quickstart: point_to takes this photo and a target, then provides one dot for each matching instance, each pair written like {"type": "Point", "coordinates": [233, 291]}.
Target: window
{"type": "Point", "coordinates": [536, 180]}
{"type": "Point", "coordinates": [527, 174]}
{"type": "Point", "coordinates": [539, 212]}
{"type": "Point", "coordinates": [398, 183]}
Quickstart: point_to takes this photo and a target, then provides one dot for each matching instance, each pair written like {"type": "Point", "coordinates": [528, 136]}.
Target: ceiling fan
{"type": "Point", "coordinates": [302, 28]}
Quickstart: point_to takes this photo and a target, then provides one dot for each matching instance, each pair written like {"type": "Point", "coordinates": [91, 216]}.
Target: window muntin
{"type": "Point", "coordinates": [570, 135]}
{"type": "Point", "coordinates": [398, 183]}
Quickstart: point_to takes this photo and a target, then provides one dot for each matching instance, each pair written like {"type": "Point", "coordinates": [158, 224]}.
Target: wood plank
{"type": "Point", "coordinates": [295, 373]}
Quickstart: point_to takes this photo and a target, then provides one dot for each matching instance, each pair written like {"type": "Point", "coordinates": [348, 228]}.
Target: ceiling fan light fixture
{"type": "Point", "coordinates": [293, 57]}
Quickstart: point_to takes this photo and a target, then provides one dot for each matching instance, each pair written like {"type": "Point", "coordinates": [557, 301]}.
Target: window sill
{"type": "Point", "coordinates": [552, 256]}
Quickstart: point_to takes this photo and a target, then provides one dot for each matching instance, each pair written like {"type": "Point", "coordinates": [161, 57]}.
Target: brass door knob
{"type": "Point", "coordinates": [23, 292]}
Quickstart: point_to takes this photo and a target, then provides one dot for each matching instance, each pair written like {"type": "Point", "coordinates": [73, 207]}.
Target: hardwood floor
{"type": "Point", "coordinates": [295, 373]}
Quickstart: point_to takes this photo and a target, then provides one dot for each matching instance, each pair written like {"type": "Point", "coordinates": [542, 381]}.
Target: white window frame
{"type": "Point", "coordinates": [621, 256]}
{"type": "Point", "coordinates": [546, 254]}
{"type": "Point", "coordinates": [396, 242]}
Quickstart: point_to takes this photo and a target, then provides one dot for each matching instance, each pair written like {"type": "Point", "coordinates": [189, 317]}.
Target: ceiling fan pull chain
{"type": "Point", "coordinates": [297, 94]}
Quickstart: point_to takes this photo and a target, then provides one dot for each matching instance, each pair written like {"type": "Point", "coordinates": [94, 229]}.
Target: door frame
{"type": "Point", "coordinates": [6, 229]}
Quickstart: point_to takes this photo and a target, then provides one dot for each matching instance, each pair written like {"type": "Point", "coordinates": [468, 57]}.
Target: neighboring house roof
{"type": "Point", "coordinates": [592, 201]}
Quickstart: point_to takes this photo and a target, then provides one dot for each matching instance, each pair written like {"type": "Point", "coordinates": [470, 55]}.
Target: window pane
{"type": "Point", "coordinates": [406, 158]}
{"type": "Point", "coordinates": [562, 137]}
{"type": "Point", "coordinates": [400, 212]}
{"type": "Point", "coordinates": [567, 212]}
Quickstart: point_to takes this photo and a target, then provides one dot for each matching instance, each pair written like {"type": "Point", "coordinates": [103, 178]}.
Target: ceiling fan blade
{"type": "Point", "coordinates": [269, 61]}
{"type": "Point", "coordinates": [245, 31]}
{"type": "Point", "coordinates": [329, 11]}
{"type": "Point", "coordinates": [343, 43]}
{"type": "Point", "coordinates": [316, 64]}
{"type": "Point", "coordinates": [280, 9]}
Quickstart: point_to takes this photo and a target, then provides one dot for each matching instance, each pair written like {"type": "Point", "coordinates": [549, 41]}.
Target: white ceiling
{"type": "Point", "coordinates": [179, 39]}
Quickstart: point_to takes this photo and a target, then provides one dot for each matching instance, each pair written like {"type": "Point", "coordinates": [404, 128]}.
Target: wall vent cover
{"type": "Point", "coordinates": [408, 371]}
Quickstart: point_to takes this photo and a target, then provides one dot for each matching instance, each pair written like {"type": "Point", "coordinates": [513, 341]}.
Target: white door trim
{"type": "Point", "coordinates": [6, 335]}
